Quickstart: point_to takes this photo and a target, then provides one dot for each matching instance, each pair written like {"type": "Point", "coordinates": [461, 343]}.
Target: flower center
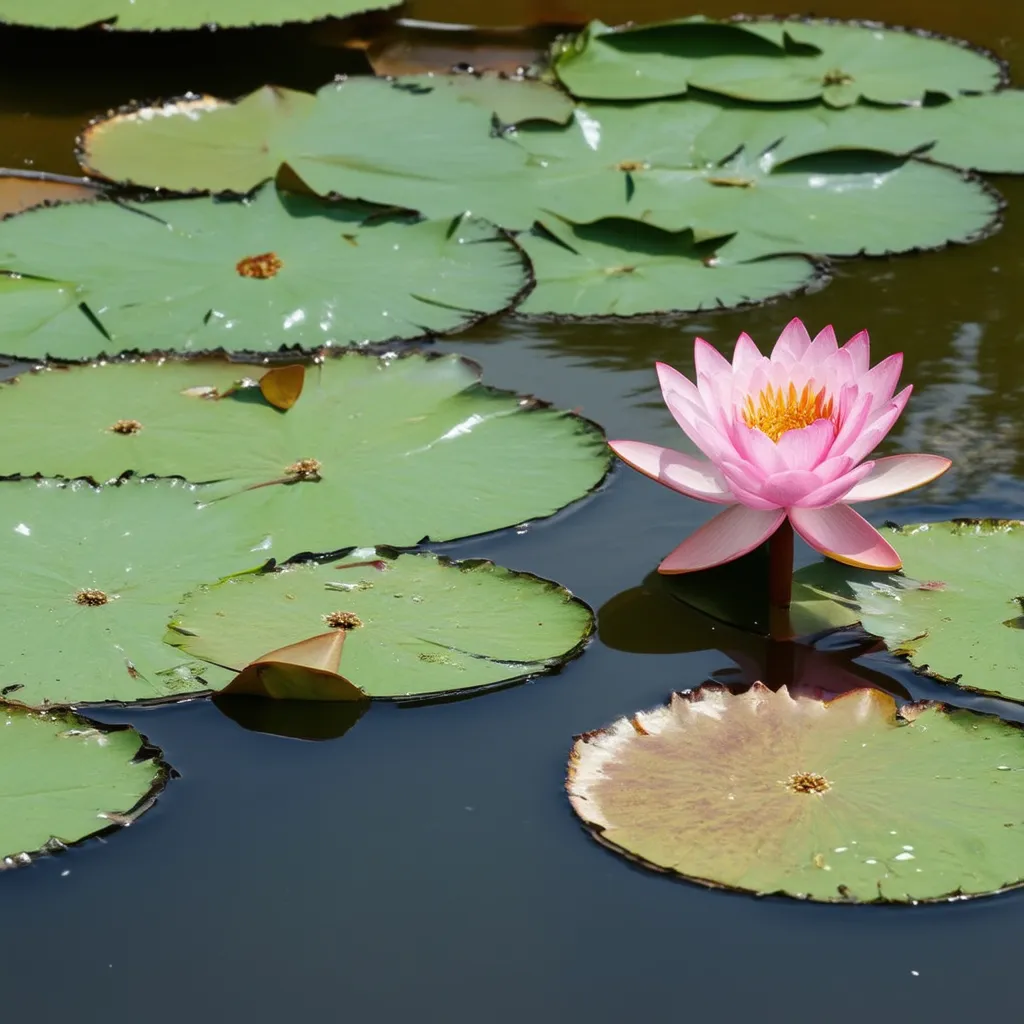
{"type": "Point", "coordinates": [778, 409]}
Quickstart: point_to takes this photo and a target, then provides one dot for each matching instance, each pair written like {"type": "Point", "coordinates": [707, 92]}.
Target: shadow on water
{"type": "Point", "coordinates": [426, 865]}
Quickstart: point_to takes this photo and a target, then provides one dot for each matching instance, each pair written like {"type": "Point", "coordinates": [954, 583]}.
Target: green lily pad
{"type": "Point", "coordinates": [844, 801]}
{"type": "Point", "coordinates": [197, 142]}
{"type": "Point", "coordinates": [178, 14]}
{"type": "Point", "coordinates": [66, 779]}
{"type": "Point", "coordinates": [981, 133]}
{"type": "Point", "coordinates": [648, 162]}
{"type": "Point", "coordinates": [625, 268]}
{"type": "Point", "coordinates": [92, 577]}
{"type": "Point", "coordinates": [408, 446]}
{"type": "Point", "coordinates": [954, 611]}
{"type": "Point", "coordinates": [426, 626]}
{"type": "Point", "coordinates": [280, 270]}
{"type": "Point", "coordinates": [837, 62]}
{"type": "Point", "coordinates": [217, 145]}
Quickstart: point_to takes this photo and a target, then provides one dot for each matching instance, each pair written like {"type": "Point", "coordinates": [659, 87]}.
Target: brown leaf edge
{"type": "Point", "coordinates": [904, 714]}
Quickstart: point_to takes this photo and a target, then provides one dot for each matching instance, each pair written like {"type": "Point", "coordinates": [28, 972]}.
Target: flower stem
{"type": "Point", "coordinates": [780, 566]}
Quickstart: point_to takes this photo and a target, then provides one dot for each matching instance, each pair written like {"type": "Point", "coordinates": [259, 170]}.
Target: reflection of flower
{"type": "Point", "coordinates": [785, 436]}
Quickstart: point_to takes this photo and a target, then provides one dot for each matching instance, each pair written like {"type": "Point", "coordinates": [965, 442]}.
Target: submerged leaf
{"type": "Point", "coordinates": [279, 270]}
{"type": "Point", "coordinates": [954, 611]}
{"type": "Point", "coordinates": [419, 625]}
{"type": "Point", "coordinates": [625, 268]}
{"type": "Point", "coordinates": [388, 449]}
{"type": "Point", "coordinates": [64, 778]}
{"type": "Point", "coordinates": [844, 801]}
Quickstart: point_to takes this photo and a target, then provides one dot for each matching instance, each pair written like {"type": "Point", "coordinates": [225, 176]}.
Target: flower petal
{"type": "Point", "coordinates": [696, 478]}
{"type": "Point", "coordinates": [708, 360]}
{"type": "Point", "coordinates": [836, 489]}
{"type": "Point", "coordinates": [672, 382]}
{"type": "Point", "coordinates": [896, 474]}
{"type": "Point", "coordinates": [806, 447]}
{"type": "Point", "coordinates": [699, 429]}
{"type": "Point", "coordinates": [823, 346]}
{"type": "Point", "coordinates": [729, 535]}
{"type": "Point", "coordinates": [746, 357]}
{"type": "Point", "coordinates": [757, 449]}
{"type": "Point", "coordinates": [859, 348]}
{"type": "Point", "coordinates": [789, 488]}
{"type": "Point", "coordinates": [881, 380]}
{"type": "Point", "coordinates": [846, 536]}
{"type": "Point", "coordinates": [793, 342]}
{"type": "Point", "coordinates": [862, 446]}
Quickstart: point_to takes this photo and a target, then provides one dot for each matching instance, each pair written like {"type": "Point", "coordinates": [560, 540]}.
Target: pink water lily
{"type": "Point", "coordinates": [785, 435]}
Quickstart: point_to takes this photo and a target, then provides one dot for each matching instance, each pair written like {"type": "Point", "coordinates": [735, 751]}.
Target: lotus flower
{"type": "Point", "coordinates": [785, 436]}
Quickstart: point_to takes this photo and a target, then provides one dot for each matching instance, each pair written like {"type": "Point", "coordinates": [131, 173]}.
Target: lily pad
{"type": "Point", "coordinates": [836, 204]}
{"type": "Point", "coordinates": [418, 625]}
{"type": "Point", "coordinates": [954, 611]}
{"type": "Point", "coordinates": [846, 801]}
{"type": "Point", "coordinates": [208, 144]}
{"type": "Point", "coordinates": [981, 133]}
{"type": "Point", "coordinates": [66, 779]}
{"type": "Point", "coordinates": [277, 271]}
{"type": "Point", "coordinates": [199, 142]}
{"type": "Point", "coordinates": [837, 62]}
{"type": "Point", "coordinates": [405, 447]}
{"type": "Point", "coordinates": [178, 14]}
{"type": "Point", "coordinates": [625, 268]}
{"type": "Point", "coordinates": [91, 578]}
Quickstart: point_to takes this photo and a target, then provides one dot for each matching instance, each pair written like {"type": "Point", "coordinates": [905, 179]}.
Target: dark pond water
{"type": "Point", "coordinates": [426, 865]}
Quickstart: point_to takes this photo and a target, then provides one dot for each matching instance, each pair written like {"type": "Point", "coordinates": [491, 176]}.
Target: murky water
{"type": "Point", "coordinates": [426, 866]}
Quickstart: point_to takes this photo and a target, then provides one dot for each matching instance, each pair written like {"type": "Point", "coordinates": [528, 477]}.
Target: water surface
{"type": "Point", "coordinates": [426, 866]}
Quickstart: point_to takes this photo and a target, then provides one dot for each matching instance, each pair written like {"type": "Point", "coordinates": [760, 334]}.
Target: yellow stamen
{"type": "Point", "coordinates": [778, 410]}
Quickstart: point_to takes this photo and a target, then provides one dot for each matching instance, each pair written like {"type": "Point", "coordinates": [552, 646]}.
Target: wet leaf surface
{"type": "Point", "coordinates": [419, 625]}
{"type": "Point", "coordinates": [63, 779]}
{"type": "Point", "coordinates": [192, 275]}
{"type": "Point", "coordinates": [849, 800]}
{"type": "Point", "coordinates": [376, 450]}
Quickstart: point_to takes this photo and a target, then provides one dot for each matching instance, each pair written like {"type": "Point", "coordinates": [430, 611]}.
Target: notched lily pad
{"type": "Point", "coordinates": [64, 779]}
{"type": "Point", "coordinates": [773, 61]}
{"type": "Point", "coordinates": [626, 268]}
{"type": "Point", "coordinates": [850, 800]}
{"type": "Point", "coordinates": [177, 14]}
{"type": "Point", "coordinates": [390, 449]}
{"type": "Point", "coordinates": [955, 609]}
{"type": "Point", "coordinates": [193, 275]}
{"type": "Point", "coordinates": [414, 626]}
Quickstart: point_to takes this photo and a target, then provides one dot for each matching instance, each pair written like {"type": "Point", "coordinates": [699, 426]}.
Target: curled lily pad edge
{"type": "Point", "coordinates": [115, 821]}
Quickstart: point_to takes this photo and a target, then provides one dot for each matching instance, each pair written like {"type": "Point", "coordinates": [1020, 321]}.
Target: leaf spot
{"type": "Point", "coordinates": [266, 264]}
